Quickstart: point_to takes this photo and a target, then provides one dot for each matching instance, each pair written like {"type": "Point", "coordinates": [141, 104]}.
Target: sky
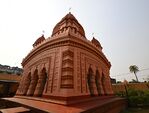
{"type": "Point", "coordinates": [121, 26]}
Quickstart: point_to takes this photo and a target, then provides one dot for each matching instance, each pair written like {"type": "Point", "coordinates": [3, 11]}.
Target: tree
{"type": "Point", "coordinates": [133, 81]}
{"type": "Point", "coordinates": [134, 69]}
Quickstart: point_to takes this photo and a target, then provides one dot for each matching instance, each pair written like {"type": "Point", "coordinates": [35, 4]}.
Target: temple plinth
{"type": "Point", "coordinates": [66, 66]}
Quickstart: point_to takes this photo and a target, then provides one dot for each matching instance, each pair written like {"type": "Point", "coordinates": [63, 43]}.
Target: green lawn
{"type": "Point", "coordinates": [137, 110]}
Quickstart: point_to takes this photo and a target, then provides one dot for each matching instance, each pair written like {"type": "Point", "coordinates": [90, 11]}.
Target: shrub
{"type": "Point", "coordinates": [138, 97]}
{"type": "Point", "coordinates": [121, 94]}
{"type": "Point", "coordinates": [136, 100]}
{"type": "Point", "coordinates": [146, 98]}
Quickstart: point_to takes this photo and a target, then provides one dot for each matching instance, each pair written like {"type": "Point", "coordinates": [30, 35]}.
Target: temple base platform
{"type": "Point", "coordinates": [103, 104]}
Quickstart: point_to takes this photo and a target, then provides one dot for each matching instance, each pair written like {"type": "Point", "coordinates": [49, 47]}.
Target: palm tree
{"type": "Point", "coordinates": [134, 69]}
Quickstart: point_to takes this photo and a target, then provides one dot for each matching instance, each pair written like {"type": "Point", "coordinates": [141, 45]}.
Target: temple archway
{"type": "Point", "coordinates": [90, 81]}
{"type": "Point", "coordinates": [34, 80]}
{"type": "Point", "coordinates": [98, 82]}
{"type": "Point", "coordinates": [41, 83]}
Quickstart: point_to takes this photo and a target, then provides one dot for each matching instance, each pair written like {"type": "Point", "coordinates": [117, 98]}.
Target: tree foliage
{"type": "Point", "coordinates": [134, 69]}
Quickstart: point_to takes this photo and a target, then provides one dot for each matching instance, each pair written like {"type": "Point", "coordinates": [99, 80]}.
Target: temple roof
{"type": "Point", "coordinates": [96, 43]}
{"type": "Point", "coordinates": [39, 40]}
{"type": "Point", "coordinates": [69, 21]}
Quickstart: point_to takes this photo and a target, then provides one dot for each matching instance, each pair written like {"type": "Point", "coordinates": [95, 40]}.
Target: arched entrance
{"type": "Point", "coordinates": [41, 83]}
{"type": "Point", "coordinates": [33, 83]}
{"type": "Point", "coordinates": [90, 81]}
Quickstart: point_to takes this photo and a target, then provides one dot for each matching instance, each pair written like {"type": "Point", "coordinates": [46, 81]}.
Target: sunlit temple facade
{"type": "Point", "coordinates": [66, 66]}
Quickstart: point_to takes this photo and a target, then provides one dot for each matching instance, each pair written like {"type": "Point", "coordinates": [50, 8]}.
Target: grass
{"type": "Point", "coordinates": [136, 110]}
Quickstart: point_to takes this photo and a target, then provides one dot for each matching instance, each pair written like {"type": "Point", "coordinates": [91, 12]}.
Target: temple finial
{"type": "Point", "coordinates": [92, 34]}
{"type": "Point", "coordinates": [43, 32]}
{"type": "Point", "coordinates": [70, 10]}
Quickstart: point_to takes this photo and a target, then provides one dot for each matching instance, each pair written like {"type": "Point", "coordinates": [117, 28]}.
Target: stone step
{"type": "Point", "coordinates": [14, 110]}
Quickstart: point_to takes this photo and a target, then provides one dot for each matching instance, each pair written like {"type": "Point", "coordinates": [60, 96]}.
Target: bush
{"type": "Point", "coordinates": [146, 98]}
{"type": "Point", "coordinates": [121, 94]}
{"type": "Point", "coordinates": [133, 92]}
{"type": "Point", "coordinates": [138, 98]}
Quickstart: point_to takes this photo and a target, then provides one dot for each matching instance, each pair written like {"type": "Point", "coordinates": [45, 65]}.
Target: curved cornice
{"type": "Point", "coordinates": [66, 41]}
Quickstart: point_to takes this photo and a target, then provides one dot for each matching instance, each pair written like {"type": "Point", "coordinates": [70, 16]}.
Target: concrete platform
{"type": "Point", "coordinates": [94, 105]}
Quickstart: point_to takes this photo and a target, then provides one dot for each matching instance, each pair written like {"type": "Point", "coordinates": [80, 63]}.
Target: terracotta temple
{"type": "Point", "coordinates": [66, 66]}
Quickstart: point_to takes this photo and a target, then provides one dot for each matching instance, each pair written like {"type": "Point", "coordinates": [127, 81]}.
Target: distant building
{"type": "Point", "coordinates": [113, 81]}
{"type": "Point", "coordinates": [10, 70]}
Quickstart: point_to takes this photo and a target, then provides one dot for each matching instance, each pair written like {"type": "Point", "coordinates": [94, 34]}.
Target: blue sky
{"type": "Point", "coordinates": [121, 26]}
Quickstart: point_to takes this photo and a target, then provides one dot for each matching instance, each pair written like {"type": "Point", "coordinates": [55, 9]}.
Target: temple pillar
{"type": "Point", "coordinates": [22, 84]}
{"type": "Point", "coordinates": [109, 85]}
{"type": "Point", "coordinates": [101, 86]}
{"type": "Point", "coordinates": [94, 85]}
{"type": "Point", "coordinates": [98, 82]}
{"type": "Point", "coordinates": [103, 79]}
{"type": "Point", "coordinates": [91, 82]}
{"type": "Point", "coordinates": [20, 88]}
{"type": "Point", "coordinates": [27, 83]}
{"type": "Point", "coordinates": [34, 79]}
{"type": "Point", "coordinates": [107, 82]}
{"type": "Point", "coordinates": [41, 83]}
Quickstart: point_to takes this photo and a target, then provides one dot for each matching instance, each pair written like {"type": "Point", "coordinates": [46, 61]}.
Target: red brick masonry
{"type": "Point", "coordinates": [96, 105]}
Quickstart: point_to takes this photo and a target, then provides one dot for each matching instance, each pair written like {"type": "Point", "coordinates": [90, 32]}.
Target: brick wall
{"type": "Point", "coordinates": [122, 87]}
{"type": "Point", "coordinates": [10, 77]}
{"type": "Point", "coordinates": [8, 84]}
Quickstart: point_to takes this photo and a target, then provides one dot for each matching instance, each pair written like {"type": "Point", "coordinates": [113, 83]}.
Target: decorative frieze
{"type": "Point", "coordinates": [55, 71]}
{"type": "Point", "coordinates": [67, 69]}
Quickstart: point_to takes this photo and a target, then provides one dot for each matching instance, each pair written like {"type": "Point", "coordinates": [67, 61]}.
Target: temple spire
{"type": "Point", "coordinates": [43, 32]}
{"type": "Point", "coordinates": [63, 24]}
{"type": "Point", "coordinates": [93, 34]}
{"type": "Point", "coordinates": [69, 9]}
